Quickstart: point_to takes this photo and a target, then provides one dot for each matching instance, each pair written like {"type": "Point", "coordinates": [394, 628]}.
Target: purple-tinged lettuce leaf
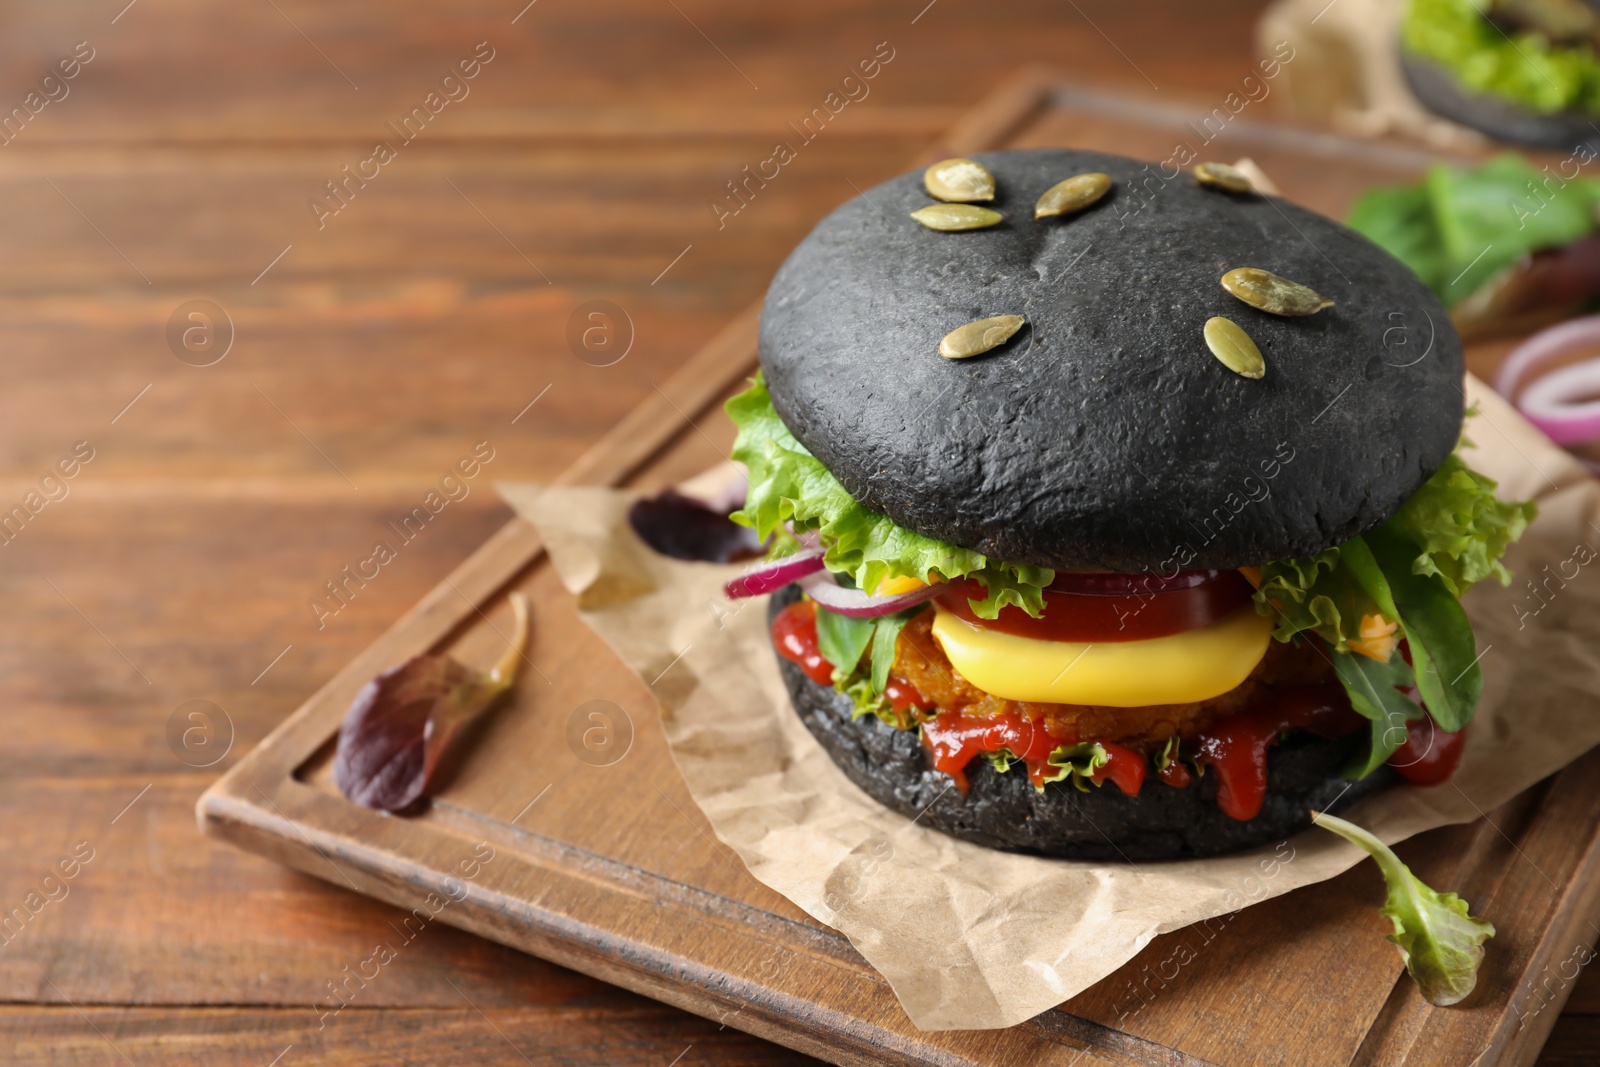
{"type": "Point", "coordinates": [400, 724]}
{"type": "Point", "coordinates": [682, 527]}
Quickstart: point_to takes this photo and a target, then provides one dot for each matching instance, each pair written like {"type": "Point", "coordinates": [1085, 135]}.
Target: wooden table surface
{"type": "Point", "coordinates": [178, 573]}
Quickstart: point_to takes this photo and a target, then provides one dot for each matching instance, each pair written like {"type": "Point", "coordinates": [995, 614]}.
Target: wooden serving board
{"type": "Point", "coordinates": [604, 864]}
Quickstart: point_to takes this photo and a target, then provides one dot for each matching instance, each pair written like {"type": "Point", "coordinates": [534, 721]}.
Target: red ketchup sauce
{"type": "Point", "coordinates": [1236, 746]}
{"type": "Point", "coordinates": [794, 631]}
{"type": "Point", "coordinates": [1136, 615]}
{"type": "Point", "coordinates": [1176, 774]}
{"type": "Point", "coordinates": [905, 698]}
{"type": "Point", "coordinates": [955, 740]}
{"type": "Point", "coordinates": [1429, 756]}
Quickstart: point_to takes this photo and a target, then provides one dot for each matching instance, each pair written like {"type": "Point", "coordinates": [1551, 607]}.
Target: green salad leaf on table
{"type": "Point", "coordinates": [1439, 940]}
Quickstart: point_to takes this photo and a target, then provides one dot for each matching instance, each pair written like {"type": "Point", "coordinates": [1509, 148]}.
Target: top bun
{"type": "Point", "coordinates": [1105, 435]}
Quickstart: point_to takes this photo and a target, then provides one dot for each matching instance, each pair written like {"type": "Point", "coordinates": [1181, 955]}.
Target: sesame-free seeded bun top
{"type": "Point", "coordinates": [1105, 434]}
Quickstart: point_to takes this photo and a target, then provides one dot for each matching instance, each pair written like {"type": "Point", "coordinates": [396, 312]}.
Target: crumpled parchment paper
{"type": "Point", "coordinates": [971, 938]}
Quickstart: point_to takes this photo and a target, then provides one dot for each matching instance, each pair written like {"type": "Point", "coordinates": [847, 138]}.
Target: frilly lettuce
{"type": "Point", "coordinates": [1440, 942]}
{"type": "Point", "coordinates": [1080, 762]}
{"type": "Point", "coordinates": [1461, 527]}
{"type": "Point", "coordinates": [789, 484]}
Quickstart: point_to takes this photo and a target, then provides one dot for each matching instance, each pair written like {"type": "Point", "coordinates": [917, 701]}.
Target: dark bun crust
{"type": "Point", "coordinates": [1105, 435]}
{"type": "Point", "coordinates": [1004, 811]}
{"type": "Point", "coordinates": [1442, 93]}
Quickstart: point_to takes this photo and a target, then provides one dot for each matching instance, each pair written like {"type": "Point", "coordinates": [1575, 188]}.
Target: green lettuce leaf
{"type": "Point", "coordinates": [789, 484]}
{"type": "Point", "coordinates": [1461, 527]}
{"type": "Point", "coordinates": [1440, 942]}
{"type": "Point", "coordinates": [1450, 534]}
{"type": "Point", "coordinates": [1399, 219]}
{"type": "Point", "coordinates": [842, 641]}
{"type": "Point", "coordinates": [1460, 227]}
{"type": "Point", "coordinates": [1078, 762]}
{"type": "Point", "coordinates": [1001, 760]}
{"type": "Point", "coordinates": [1492, 215]}
{"type": "Point", "coordinates": [867, 702]}
{"type": "Point", "coordinates": [1313, 594]}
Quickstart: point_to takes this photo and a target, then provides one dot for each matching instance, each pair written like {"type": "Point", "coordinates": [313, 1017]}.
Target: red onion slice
{"type": "Point", "coordinates": [859, 605]}
{"type": "Point", "coordinates": [775, 574]}
{"type": "Point", "coordinates": [1559, 403]}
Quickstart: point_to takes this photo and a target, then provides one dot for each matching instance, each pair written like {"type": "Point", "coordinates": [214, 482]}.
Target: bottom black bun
{"type": "Point", "coordinates": [1442, 93]}
{"type": "Point", "coordinates": [1004, 811]}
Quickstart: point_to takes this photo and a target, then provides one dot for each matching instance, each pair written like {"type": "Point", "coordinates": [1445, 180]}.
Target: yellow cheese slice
{"type": "Point", "coordinates": [896, 586]}
{"type": "Point", "coordinates": [1194, 665]}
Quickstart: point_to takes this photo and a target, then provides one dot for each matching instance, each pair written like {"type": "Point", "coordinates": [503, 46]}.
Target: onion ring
{"type": "Point", "coordinates": [1558, 402]}
{"type": "Point", "coordinates": [775, 574]}
{"type": "Point", "coordinates": [860, 605]}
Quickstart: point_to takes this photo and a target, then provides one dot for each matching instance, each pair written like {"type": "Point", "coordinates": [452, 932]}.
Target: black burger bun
{"type": "Point", "coordinates": [1004, 811]}
{"type": "Point", "coordinates": [1442, 93]}
{"type": "Point", "coordinates": [1104, 434]}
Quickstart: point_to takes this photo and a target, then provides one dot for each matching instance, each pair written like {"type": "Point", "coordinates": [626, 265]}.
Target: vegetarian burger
{"type": "Point", "coordinates": [1114, 513]}
{"type": "Point", "coordinates": [1520, 70]}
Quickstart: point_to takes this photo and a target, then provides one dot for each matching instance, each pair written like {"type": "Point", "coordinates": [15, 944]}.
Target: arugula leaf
{"type": "Point", "coordinates": [842, 641]}
{"type": "Point", "coordinates": [1440, 942]}
{"type": "Point", "coordinates": [1461, 527]}
{"type": "Point", "coordinates": [885, 631]}
{"type": "Point", "coordinates": [1078, 762]}
{"type": "Point", "coordinates": [789, 484]}
{"type": "Point", "coordinates": [1374, 693]}
{"type": "Point", "coordinates": [1444, 653]}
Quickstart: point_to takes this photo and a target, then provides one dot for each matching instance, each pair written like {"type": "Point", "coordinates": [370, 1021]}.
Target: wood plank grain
{"type": "Point", "coordinates": [191, 922]}
{"type": "Point", "coordinates": [623, 1029]}
{"type": "Point", "coordinates": [174, 72]}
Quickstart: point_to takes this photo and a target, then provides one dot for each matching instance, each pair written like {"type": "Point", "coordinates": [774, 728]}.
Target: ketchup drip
{"type": "Point", "coordinates": [906, 700]}
{"type": "Point", "coordinates": [1125, 767]}
{"type": "Point", "coordinates": [794, 631]}
{"type": "Point", "coordinates": [1236, 746]}
{"type": "Point", "coordinates": [1176, 775]}
{"type": "Point", "coordinates": [954, 740]}
{"type": "Point", "coordinates": [1429, 756]}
